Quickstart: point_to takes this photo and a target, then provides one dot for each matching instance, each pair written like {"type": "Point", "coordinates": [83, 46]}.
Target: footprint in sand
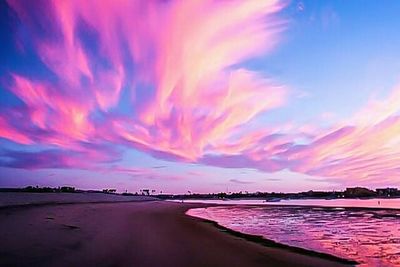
{"type": "Point", "coordinates": [71, 227]}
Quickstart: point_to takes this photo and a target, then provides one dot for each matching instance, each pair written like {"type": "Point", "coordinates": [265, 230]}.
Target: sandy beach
{"type": "Point", "coordinates": [151, 233]}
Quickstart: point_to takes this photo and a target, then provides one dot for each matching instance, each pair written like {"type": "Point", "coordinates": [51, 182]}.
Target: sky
{"type": "Point", "coordinates": [200, 96]}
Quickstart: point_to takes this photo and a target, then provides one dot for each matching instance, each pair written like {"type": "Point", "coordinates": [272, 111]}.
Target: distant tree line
{"type": "Point", "coordinates": [37, 189]}
{"type": "Point", "coordinates": [351, 192]}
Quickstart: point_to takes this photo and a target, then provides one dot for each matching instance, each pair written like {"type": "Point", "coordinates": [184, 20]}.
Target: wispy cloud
{"type": "Point", "coordinates": [184, 54]}
{"type": "Point", "coordinates": [237, 181]}
{"type": "Point", "coordinates": [177, 65]}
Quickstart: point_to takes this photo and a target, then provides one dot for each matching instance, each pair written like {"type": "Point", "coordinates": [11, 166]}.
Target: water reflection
{"type": "Point", "coordinates": [371, 237]}
{"type": "Point", "coordinates": [393, 203]}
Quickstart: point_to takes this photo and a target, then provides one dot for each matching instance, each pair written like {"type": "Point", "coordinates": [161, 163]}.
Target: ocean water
{"type": "Point", "coordinates": [369, 236]}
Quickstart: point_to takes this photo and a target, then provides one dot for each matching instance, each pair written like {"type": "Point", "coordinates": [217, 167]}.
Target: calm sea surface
{"type": "Point", "coordinates": [369, 236]}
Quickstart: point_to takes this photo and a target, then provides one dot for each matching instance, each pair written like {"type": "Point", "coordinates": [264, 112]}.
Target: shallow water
{"type": "Point", "coordinates": [393, 203]}
{"type": "Point", "coordinates": [371, 237]}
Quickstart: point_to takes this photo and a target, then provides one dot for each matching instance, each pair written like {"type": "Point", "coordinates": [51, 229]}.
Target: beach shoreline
{"type": "Point", "coordinates": [136, 234]}
{"type": "Point", "coordinates": [271, 243]}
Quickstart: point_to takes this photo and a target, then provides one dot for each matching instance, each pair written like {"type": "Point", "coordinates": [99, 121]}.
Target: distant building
{"type": "Point", "coordinates": [387, 192]}
{"type": "Point", "coordinates": [359, 192]}
{"type": "Point", "coordinates": [109, 191]}
{"type": "Point", "coordinates": [146, 192]}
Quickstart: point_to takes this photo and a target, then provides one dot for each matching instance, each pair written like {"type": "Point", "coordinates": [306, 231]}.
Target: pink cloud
{"type": "Point", "coordinates": [177, 65]}
{"type": "Point", "coordinates": [50, 108]}
{"type": "Point", "coordinates": [199, 96]}
{"type": "Point", "coordinates": [10, 132]}
{"type": "Point", "coordinates": [356, 151]}
{"type": "Point", "coordinates": [86, 157]}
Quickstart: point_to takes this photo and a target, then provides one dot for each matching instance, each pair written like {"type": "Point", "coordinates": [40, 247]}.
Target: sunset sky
{"type": "Point", "coordinates": [204, 95]}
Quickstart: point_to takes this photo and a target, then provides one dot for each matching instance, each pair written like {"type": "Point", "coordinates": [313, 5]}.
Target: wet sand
{"type": "Point", "coordinates": [155, 233]}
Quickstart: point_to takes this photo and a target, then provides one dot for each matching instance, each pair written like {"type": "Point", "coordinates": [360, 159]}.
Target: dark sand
{"type": "Point", "coordinates": [130, 234]}
{"type": "Point", "coordinates": [8, 199]}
